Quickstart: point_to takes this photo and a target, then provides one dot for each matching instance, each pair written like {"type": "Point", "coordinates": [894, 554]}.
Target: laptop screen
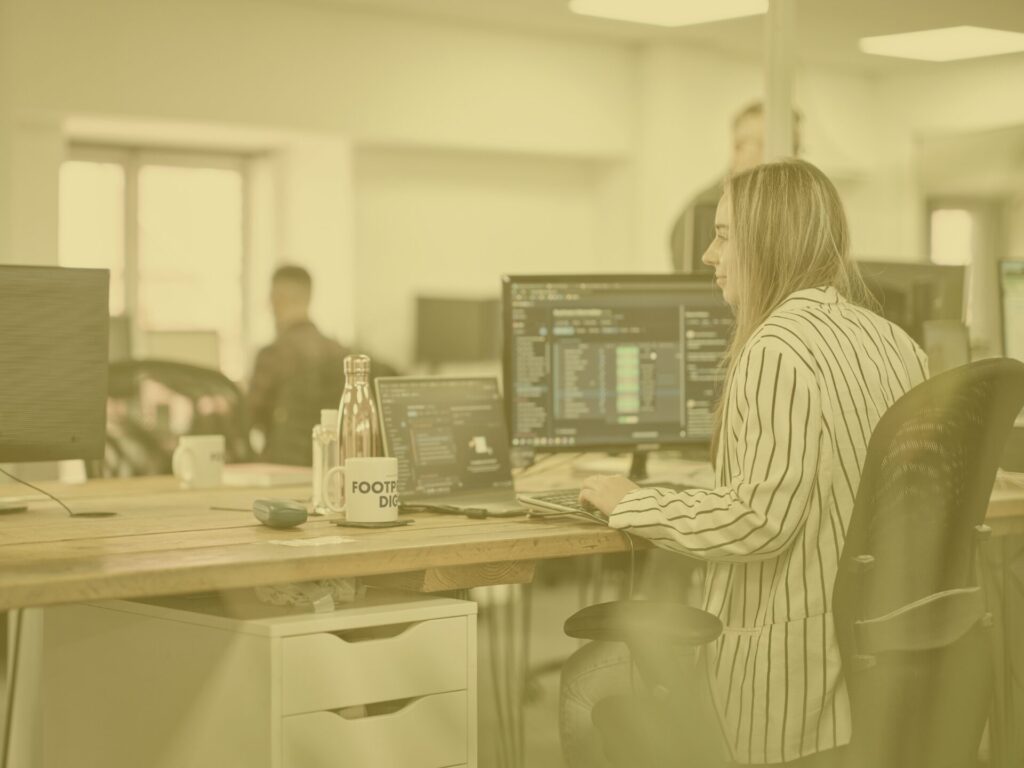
{"type": "Point", "coordinates": [448, 434]}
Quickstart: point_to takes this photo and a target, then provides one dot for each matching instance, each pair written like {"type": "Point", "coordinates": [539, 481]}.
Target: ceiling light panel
{"type": "Point", "coordinates": [949, 44]}
{"type": "Point", "coordinates": [669, 13]}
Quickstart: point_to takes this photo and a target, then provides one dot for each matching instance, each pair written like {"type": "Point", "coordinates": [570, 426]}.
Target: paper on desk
{"type": "Point", "coordinates": [317, 542]}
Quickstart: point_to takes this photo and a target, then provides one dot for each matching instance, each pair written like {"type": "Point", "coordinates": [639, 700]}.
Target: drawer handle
{"type": "Point", "coordinates": [377, 709]}
{"type": "Point", "coordinates": [363, 634]}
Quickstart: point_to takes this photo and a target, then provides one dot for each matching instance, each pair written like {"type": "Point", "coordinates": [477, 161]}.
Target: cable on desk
{"type": "Point", "coordinates": [40, 490]}
{"type": "Point", "coordinates": [632, 562]}
{"type": "Point", "coordinates": [90, 513]}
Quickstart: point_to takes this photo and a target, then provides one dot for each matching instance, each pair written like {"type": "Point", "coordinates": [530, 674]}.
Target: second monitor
{"type": "Point", "coordinates": [612, 362]}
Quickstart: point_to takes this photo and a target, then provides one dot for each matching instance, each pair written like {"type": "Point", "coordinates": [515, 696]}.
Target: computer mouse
{"type": "Point", "coordinates": [279, 513]}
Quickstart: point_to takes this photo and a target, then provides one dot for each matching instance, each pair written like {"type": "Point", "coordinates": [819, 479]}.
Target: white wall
{"type": "Point", "coordinates": [6, 127]}
{"type": "Point", "coordinates": [685, 100]}
{"type": "Point", "coordinates": [964, 97]}
{"type": "Point", "coordinates": [315, 81]}
{"type": "Point", "coordinates": [1014, 216]}
{"type": "Point", "coordinates": [449, 224]}
{"type": "Point", "coordinates": [317, 68]}
{"type": "Point", "coordinates": [439, 116]}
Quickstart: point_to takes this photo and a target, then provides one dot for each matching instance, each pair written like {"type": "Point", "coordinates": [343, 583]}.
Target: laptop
{"type": "Point", "coordinates": [450, 439]}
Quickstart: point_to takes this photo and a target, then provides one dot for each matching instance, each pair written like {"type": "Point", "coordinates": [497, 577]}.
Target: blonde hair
{"type": "Point", "coordinates": [789, 233]}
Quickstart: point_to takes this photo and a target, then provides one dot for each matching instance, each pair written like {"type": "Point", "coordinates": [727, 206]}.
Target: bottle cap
{"type": "Point", "coordinates": [357, 364]}
{"type": "Point", "coordinates": [329, 418]}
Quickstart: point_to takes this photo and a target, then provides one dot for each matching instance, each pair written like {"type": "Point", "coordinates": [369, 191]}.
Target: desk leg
{"type": "Point", "coordinates": [22, 733]}
{"type": "Point", "coordinates": [1006, 585]}
{"type": "Point", "coordinates": [13, 646]}
{"type": "Point", "coordinates": [505, 617]}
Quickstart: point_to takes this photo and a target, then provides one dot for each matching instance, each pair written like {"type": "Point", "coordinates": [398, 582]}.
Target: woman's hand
{"type": "Point", "coordinates": [604, 492]}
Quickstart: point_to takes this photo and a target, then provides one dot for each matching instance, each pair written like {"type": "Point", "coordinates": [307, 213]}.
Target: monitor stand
{"type": "Point", "coordinates": [638, 466]}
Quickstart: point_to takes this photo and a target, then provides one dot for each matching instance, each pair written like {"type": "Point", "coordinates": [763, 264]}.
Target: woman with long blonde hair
{"type": "Point", "coordinates": [810, 371]}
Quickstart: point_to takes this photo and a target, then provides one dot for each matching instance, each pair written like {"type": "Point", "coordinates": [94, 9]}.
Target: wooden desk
{"type": "Point", "coordinates": [167, 541]}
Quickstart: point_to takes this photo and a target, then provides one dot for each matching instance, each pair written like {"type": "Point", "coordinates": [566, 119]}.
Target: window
{"type": "Point", "coordinates": [91, 228]}
{"type": "Point", "coordinates": [170, 227]}
{"type": "Point", "coordinates": [952, 236]}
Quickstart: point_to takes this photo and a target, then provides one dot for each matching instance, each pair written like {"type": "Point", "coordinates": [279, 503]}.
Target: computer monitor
{"type": "Point", "coordinates": [448, 434]}
{"type": "Point", "coordinates": [1011, 302]}
{"type": "Point", "coordinates": [1011, 295]}
{"type": "Point", "coordinates": [911, 294]}
{"type": "Point", "coordinates": [612, 362]}
{"type": "Point", "coordinates": [54, 341]}
{"type": "Point", "coordinates": [457, 330]}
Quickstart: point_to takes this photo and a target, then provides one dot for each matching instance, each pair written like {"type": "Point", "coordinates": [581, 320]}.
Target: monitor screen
{"type": "Point", "coordinates": [448, 434]}
{"type": "Point", "coordinates": [54, 340]}
{"type": "Point", "coordinates": [457, 330]}
{"type": "Point", "coordinates": [911, 294]}
{"type": "Point", "coordinates": [610, 362]}
{"type": "Point", "coordinates": [1011, 291]}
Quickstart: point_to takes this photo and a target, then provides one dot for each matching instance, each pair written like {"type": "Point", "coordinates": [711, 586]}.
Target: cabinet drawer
{"type": "Point", "coordinates": [330, 671]}
{"type": "Point", "coordinates": [429, 732]}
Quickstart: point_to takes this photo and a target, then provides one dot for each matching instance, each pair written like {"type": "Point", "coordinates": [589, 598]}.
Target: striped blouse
{"type": "Point", "coordinates": [808, 389]}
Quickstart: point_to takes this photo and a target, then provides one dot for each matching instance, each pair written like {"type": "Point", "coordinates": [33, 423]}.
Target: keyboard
{"type": "Point", "coordinates": [567, 502]}
{"type": "Point", "coordinates": [560, 502]}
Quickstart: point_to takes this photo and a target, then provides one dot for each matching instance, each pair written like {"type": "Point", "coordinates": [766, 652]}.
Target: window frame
{"type": "Point", "coordinates": [132, 159]}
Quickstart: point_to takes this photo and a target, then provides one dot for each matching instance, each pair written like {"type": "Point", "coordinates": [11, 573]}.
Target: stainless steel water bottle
{"type": "Point", "coordinates": [358, 425]}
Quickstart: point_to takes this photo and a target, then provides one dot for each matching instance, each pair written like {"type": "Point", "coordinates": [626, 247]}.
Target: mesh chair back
{"type": "Point", "coordinates": [151, 403]}
{"type": "Point", "coordinates": [926, 483]}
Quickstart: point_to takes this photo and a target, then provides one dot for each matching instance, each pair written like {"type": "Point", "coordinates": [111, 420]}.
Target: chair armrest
{"type": "Point", "coordinates": [934, 621]}
{"type": "Point", "coordinates": [624, 620]}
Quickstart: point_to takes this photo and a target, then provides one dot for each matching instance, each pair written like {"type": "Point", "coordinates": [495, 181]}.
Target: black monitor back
{"type": "Point", "coordinates": [53, 363]}
{"type": "Point", "coordinates": [457, 330]}
{"type": "Point", "coordinates": [911, 294]}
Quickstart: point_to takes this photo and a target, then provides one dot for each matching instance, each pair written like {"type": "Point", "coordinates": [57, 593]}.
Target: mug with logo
{"type": "Point", "coordinates": [370, 489]}
{"type": "Point", "coordinates": [198, 461]}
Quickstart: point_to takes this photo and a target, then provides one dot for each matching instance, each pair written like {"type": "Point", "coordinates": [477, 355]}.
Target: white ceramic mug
{"type": "Point", "coordinates": [198, 461]}
{"type": "Point", "coordinates": [370, 489]}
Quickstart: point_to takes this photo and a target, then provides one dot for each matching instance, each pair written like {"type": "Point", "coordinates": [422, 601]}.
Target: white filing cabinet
{"type": "Point", "coordinates": [222, 681]}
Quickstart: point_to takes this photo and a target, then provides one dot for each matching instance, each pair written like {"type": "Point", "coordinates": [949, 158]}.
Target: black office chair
{"type": "Point", "coordinates": [910, 612]}
{"type": "Point", "coordinates": [660, 723]}
{"type": "Point", "coordinates": [151, 403]}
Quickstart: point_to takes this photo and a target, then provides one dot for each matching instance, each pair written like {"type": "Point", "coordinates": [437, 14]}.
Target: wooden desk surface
{"type": "Point", "coordinates": [167, 541]}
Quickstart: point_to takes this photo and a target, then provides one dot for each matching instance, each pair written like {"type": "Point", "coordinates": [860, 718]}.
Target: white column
{"type": "Point", "coordinates": [6, 132]}
{"type": "Point", "coordinates": [780, 44]}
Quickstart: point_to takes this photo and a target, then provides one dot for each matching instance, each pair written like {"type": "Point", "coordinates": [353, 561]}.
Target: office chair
{"type": "Point", "coordinates": [661, 722]}
{"type": "Point", "coordinates": [151, 403]}
{"type": "Point", "coordinates": [911, 616]}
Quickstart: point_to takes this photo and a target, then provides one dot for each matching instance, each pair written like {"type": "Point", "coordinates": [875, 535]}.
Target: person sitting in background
{"type": "Point", "coordinates": [296, 376]}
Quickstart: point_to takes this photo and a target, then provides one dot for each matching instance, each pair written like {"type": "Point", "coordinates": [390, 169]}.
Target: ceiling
{"type": "Point", "coordinates": [827, 30]}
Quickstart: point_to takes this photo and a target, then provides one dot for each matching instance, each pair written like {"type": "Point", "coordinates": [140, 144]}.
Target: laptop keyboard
{"type": "Point", "coordinates": [569, 499]}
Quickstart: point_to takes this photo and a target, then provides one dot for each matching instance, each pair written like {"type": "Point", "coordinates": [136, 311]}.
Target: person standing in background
{"type": "Point", "coordinates": [296, 376]}
{"type": "Point", "coordinates": [694, 228]}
